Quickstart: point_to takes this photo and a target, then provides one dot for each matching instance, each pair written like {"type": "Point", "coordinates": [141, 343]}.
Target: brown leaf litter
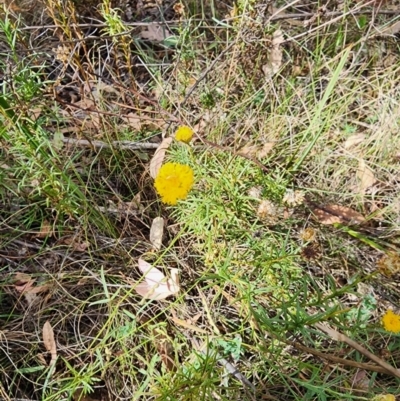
{"type": "Point", "coordinates": [158, 157]}
{"type": "Point", "coordinates": [337, 214]}
{"type": "Point", "coordinates": [155, 285]}
{"type": "Point", "coordinates": [49, 342]}
{"type": "Point", "coordinates": [366, 177]}
{"type": "Point", "coordinates": [275, 55]}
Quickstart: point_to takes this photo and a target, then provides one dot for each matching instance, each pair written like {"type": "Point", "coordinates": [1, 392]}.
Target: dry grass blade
{"type": "Point", "coordinates": [159, 155]}
{"type": "Point", "coordinates": [45, 230]}
{"type": "Point", "coordinates": [49, 341]}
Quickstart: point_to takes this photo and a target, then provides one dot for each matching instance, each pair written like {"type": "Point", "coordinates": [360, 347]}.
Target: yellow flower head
{"type": "Point", "coordinates": [184, 134]}
{"type": "Point", "coordinates": [391, 321]}
{"type": "Point", "coordinates": [173, 182]}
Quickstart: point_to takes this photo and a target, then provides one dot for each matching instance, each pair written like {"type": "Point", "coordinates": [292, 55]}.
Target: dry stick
{"type": "Point", "coordinates": [117, 144]}
{"type": "Point", "coordinates": [341, 361]}
{"type": "Point", "coordinates": [15, 399]}
{"type": "Point", "coordinates": [101, 25]}
{"type": "Point", "coordinates": [276, 17]}
{"type": "Point", "coordinates": [335, 335]}
{"type": "Point", "coordinates": [331, 14]}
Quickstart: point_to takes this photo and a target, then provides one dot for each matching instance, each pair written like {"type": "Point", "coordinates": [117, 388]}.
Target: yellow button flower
{"type": "Point", "coordinates": [173, 182]}
{"type": "Point", "coordinates": [391, 321]}
{"type": "Point", "coordinates": [184, 134]}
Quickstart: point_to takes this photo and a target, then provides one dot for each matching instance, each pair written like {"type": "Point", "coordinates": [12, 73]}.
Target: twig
{"type": "Point", "coordinates": [331, 14]}
{"type": "Point", "coordinates": [15, 399]}
{"type": "Point", "coordinates": [336, 359]}
{"type": "Point", "coordinates": [276, 17]}
{"type": "Point", "coordinates": [335, 335]}
{"type": "Point", "coordinates": [116, 144]}
{"type": "Point", "coordinates": [101, 25]}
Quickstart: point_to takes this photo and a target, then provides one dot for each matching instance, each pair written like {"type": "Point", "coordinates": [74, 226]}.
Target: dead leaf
{"type": "Point", "coordinates": [365, 176]}
{"type": "Point", "coordinates": [360, 380]}
{"type": "Point", "coordinates": [49, 341]}
{"type": "Point", "coordinates": [24, 284]}
{"type": "Point", "coordinates": [156, 32]}
{"type": "Point", "coordinates": [35, 112]}
{"type": "Point", "coordinates": [76, 244]}
{"type": "Point", "coordinates": [165, 349]}
{"type": "Point", "coordinates": [336, 214]}
{"type": "Point", "coordinates": [37, 289]}
{"type": "Point", "coordinates": [257, 151]}
{"type": "Point", "coordinates": [159, 155]}
{"type": "Point", "coordinates": [133, 120]}
{"type": "Point", "coordinates": [392, 29]}
{"type": "Point", "coordinates": [265, 149]}
{"type": "Point", "coordinates": [156, 232]}
{"type": "Point", "coordinates": [95, 89]}
{"type": "Point", "coordinates": [275, 55]}
{"type": "Point", "coordinates": [45, 230]}
{"type": "Point", "coordinates": [354, 140]}
{"type": "Point", "coordinates": [85, 110]}
{"type": "Point", "coordinates": [156, 286]}
{"type": "Point", "coordinates": [248, 150]}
